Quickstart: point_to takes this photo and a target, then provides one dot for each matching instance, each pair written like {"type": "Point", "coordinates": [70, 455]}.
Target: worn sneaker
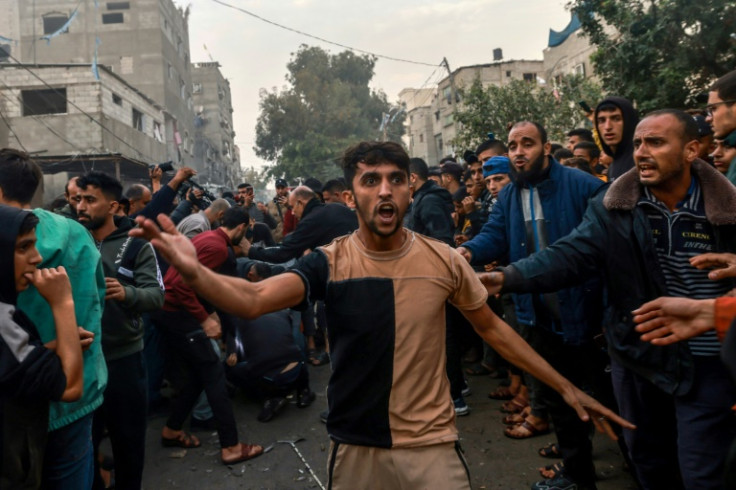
{"type": "Point", "coordinates": [323, 416]}
{"type": "Point", "coordinates": [466, 391]}
{"type": "Point", "coordinates": [461, 408]}
{"type": "Point", "coordinates": [271, 408]}
{"type": "Point", "coordinates": [560, 482]}
{"type": "Point", "coordinates": [304, 398]}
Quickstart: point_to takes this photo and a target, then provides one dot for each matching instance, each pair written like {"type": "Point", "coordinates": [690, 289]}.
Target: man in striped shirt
{"type": "Point", "coordinates": [641, 233]}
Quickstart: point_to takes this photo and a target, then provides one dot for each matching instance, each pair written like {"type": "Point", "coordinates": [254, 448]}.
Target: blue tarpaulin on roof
{"type": "Point", "coordinates": [558, 37]}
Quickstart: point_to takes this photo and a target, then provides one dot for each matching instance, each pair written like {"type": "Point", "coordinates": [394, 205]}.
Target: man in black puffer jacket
{"type": "Point", "coordinates": [431, 210]}
{"type": "Point", "coordinates": [318, 225]}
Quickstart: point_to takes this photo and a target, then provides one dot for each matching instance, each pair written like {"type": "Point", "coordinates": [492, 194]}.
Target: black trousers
{"type": "Point", "coordinates": [199, 368]}
{"type": "Point", "coordinates": [584, 365]}
{"type": "Point", "coordinates": [124, 414]}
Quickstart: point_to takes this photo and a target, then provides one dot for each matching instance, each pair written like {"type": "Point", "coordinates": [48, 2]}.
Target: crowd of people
{"type": "Point", "coordinates": [591, 277]}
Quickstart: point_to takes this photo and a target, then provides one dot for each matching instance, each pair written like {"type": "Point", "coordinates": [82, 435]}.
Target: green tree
{"type": "Point", "coordinates": [495, 108]}
{"type": "Point", "coordinates": [659, 53]}
{"type": "Point", "coordinates": [326, 106]}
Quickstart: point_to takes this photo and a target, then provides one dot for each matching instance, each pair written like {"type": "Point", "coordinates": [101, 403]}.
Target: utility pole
{"type": "Point", "coordinates": [453, 93]}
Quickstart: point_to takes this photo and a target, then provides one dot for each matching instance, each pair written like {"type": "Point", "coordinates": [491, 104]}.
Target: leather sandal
{"type": "Point", "coordinates": [247, 451]}
{"type": "Point", "coordinates": [524, 430]}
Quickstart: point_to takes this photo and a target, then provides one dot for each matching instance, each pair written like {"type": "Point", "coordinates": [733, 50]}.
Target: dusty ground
{"type": "Point", "coordinates": [495, 461]}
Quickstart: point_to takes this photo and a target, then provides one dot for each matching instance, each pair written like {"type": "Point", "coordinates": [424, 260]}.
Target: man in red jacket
{"type": "Point", "coordinates": [189, 323]}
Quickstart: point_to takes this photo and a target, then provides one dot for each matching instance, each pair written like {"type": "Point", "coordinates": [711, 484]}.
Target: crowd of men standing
{"type": "Point", "coordinates": [564, 245]}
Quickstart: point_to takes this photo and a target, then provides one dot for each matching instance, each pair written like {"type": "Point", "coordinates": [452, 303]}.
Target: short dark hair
{"type": "Point", "coordinates": [66, 186]}
{"type": "Point", "coordinates": [608, 107]}
{"type": "Point", "coordinates": [109, 185]}
{"type": "Point", "coordinates": [234, 217]}
{"type": "Point", "coordinates": [28, 223]}
{"type": "Point", "coordinates": [688, 126]}
{"type": "Point", "coordinates": [580, 164]}
{"type": "Point", "coordinates": [19, 175]}
{"type": "Point", "coordinates": [263, 270]}
{"type": "Point", "coordinates": [373, 153]}
{"type": "Point", "coordinates": [582, 133]}
{"type": "Point", "coordinates": [334, 185]}
{"type": "Point", "coordinates": [419, 167]}
{"type": "Point", "coordinates": [590, 147]}
{"type": "Point", "coordinates": [540, 129]}
{"type": "Point", "coordinates": [494, 145]}
{"type": "Point", "coordinates": [725, 86]}
{"type": "Point", "coordinates": [227, 194]}
{"type": "Point", "coordinates": [244, 185]}
{"type": "Point", "coordinates": [562, 153]}
{"type": "Point", "coordinates": [135, 192]}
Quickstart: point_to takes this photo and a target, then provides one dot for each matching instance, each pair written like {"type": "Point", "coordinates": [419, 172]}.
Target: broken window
{"type": "Point", "coordinates": [117, 99]}
{"type": "Point", "coordinates": [40, 102]}
{"type": "Point", "coordinates": [4, 52]}
{"type": "Point", "coordinates": [137, 119]}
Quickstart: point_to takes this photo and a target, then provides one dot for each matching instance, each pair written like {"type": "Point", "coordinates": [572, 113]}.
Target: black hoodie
{"type": "Point", "coordinates": [30, 374]}
{"type": "Point", "coordinates": [431, 213]}
{"type": "Point", "coordinates": [623, 159]}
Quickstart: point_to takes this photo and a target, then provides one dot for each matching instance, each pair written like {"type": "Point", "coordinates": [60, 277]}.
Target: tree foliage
{"type": "Point", "coordinates": [495, 108]}
{"type": "Point", "coordinates": [659, 53]}
{"type": "Point", "coordinates": [326, 106]}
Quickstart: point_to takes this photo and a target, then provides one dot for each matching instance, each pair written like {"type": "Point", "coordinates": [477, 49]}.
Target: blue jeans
{"type": "Point", "coordinates": [68, 462]}
{"type": "Point", "coordinates": [680, 441]}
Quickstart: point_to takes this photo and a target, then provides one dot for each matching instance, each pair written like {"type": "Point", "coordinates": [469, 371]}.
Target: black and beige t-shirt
{"type": "Point", "coordinates": [386, 327]}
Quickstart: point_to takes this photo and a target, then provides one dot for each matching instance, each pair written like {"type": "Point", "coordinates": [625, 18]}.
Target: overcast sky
{"type": "Point", "coordinates": [253, 54]}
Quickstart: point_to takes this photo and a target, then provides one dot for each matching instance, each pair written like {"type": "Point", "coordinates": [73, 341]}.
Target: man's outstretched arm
{"type": "Point", "coordinates": [514, 349]}
{"type": "Point", "coordinates": [231, 294]}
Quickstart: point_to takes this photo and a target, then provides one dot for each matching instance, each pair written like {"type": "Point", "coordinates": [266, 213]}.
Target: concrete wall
{"type": "Point", "coordinates": [443, 104]}
{"type": "Point", "coordinates": [73, 132]}
{"type": "Point", "coordinates": [154, 36]}
{"type": "Point", "coordinates": [214, 134]}
{"type": "Point", "coordinates": [570, 57]}
{"type": "Point", "coordinates": [421, 135]}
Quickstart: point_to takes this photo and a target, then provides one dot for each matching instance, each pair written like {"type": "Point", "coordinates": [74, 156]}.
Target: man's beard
{"type": "Point", "coordinates": [531, 176]}
{"type": "Point", "coordinates": [370, 223]}
{"type": "Point", "coordinates": [92, 223]}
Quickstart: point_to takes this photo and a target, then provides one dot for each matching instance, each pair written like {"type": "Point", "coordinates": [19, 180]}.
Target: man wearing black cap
{"type": "Point", "coordinates": [277, 208]}
{"type": "Point", "coordinates": [615, 121]}
{"type": "Point", "coordinates": [705, 136]}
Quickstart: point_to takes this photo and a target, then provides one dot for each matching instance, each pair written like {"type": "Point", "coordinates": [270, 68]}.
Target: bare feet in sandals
{"type": "Point", "coordinates": [532, 426]}
{"type": "Point", "coordinates": [239, 453]}
{"type": "Point", "coordinates": [178, 438]}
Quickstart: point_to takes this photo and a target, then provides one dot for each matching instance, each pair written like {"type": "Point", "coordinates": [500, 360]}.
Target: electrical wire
{"type": "Point", "coordinates": [281, 26]}
{"type": "Point", "coordinates": [21, 104]}
{"type": "Point", "coordinates": [105, 128]}
{"type": "Point", "coordinates": [13, 132]}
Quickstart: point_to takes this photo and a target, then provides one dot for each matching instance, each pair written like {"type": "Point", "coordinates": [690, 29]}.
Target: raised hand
{"type": "Point", "coordinates": [665, 321]}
